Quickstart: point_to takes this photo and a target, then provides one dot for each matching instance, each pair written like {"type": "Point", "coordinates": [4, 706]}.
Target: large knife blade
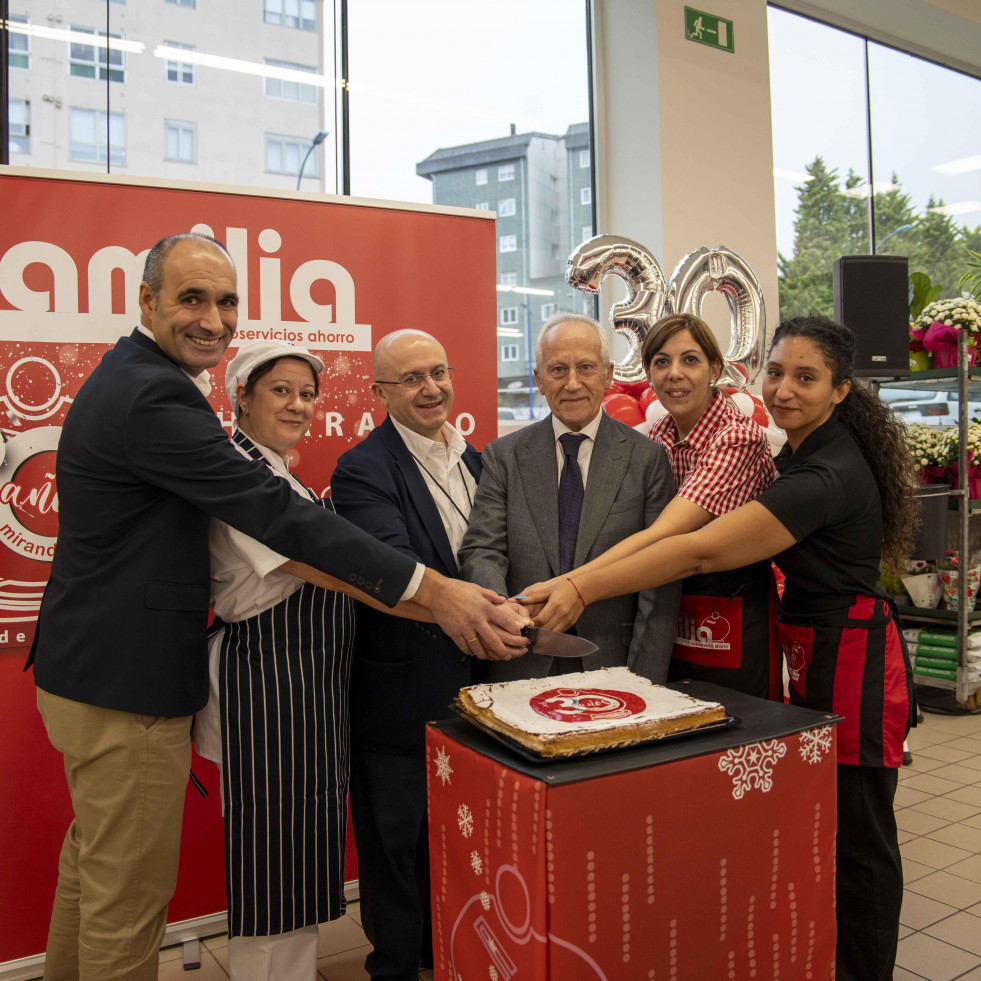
{"type": "Point", "coordinates": [552, 643]}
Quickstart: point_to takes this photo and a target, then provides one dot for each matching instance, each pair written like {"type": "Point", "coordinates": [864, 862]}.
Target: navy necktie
{"type": "Point", "coordinates": [570, 500]}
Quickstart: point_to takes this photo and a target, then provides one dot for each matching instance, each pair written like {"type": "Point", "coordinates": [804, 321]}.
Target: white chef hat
{"type": "Point", "coordinates": [256, 353]}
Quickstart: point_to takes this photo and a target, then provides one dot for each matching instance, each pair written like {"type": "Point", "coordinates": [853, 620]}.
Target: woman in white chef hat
{"type": "Point", "coordinates": [277, 719]}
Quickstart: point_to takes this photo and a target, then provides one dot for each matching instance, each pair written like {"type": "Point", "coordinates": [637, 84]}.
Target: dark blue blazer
{"type": "Point", "coordinates": [143, 464]}
{"type": "Point", "coordinates": [405, 673]}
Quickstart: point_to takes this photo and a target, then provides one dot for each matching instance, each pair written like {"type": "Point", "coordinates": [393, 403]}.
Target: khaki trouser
{"type": "Point", "coordinates": [118, 866]}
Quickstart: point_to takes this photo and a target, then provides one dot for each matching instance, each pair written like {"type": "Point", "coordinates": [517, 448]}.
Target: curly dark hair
{"type": "Point", "coordinates": [880, 435]}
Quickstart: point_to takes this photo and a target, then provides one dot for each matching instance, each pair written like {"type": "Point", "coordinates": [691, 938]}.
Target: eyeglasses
{"type": "Point", "coordinates": [438, 375]}
{"type": "Point", "coordinates": [560, 372]}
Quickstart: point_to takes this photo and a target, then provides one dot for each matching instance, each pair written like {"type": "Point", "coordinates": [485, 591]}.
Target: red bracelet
{"type": "Point", "coordinates": [576, 588]}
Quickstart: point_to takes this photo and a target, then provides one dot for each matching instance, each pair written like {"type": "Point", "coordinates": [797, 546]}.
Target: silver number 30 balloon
{"type": "Point", "coordinates": [648, 298]}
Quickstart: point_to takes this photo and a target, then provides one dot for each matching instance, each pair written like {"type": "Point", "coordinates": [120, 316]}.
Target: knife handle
{"type": "Point", "coordinates": [531, 632]}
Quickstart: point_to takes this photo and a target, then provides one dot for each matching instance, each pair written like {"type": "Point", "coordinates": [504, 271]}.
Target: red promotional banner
{"type": "Point", "coordinates": [330, 273]}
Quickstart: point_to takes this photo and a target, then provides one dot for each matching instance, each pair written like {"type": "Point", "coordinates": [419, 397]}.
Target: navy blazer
{"type": "Point", "coordinates": [405, 673]}
{"type": "Point", "coordinates": [143, 464]}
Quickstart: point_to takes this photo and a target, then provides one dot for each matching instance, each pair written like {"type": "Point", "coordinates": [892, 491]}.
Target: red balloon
{"type": "Point", "coordinates": [623, 407]}
{"type": "Point", "coordinates": [646, 397]}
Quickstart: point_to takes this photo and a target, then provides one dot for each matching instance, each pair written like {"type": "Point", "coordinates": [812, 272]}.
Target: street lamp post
{"type": "Point", "coordinates": [314, 143]}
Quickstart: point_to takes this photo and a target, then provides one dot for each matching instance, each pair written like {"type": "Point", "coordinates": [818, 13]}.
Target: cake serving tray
{"type": "Point", "coordinates": [527, 754]}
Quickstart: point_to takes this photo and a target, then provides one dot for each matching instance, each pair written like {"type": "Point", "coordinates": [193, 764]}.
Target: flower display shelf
{"type": "Point", "coordinates": [939, 695]}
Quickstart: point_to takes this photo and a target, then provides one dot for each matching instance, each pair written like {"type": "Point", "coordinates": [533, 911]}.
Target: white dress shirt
{"type": "Point", "coordinates": [585, 448]}
{"type": "Point", "coordinates": [447, 477]}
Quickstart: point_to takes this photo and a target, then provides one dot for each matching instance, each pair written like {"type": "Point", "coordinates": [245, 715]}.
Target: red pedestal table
{"type": "Point", "coordinates": [699, 859]}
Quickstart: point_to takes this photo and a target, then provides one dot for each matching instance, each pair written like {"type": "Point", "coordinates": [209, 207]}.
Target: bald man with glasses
{"type": "Point", "coordinates": [410, 483]}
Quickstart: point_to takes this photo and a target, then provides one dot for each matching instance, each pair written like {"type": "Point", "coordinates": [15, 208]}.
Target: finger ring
{"type": "Point", "coordinates": [472, 639]}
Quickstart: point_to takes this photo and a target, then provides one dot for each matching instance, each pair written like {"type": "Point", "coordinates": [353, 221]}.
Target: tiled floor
{"type": "Point", "coordinates": [938, 810]}
{"type": "Point", "coordinates": [343, 948]}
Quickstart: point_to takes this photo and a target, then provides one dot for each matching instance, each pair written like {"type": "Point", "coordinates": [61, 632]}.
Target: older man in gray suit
{"type": "Point", "coordinates": [560, 492]}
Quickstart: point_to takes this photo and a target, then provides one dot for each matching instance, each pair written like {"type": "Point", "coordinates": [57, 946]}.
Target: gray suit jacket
{"type": "Point", "coordinates": [513, 539]}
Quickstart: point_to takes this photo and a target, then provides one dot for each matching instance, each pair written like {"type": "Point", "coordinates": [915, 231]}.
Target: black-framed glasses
{"type": "Point", "coordinates": [414, 380]}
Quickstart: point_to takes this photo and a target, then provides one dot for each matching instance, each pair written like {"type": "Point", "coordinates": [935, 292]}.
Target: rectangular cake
{"type": "Point", "coordinates": [575, 713]}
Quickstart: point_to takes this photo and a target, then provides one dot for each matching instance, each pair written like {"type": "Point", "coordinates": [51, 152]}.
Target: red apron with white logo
{"type": "Point", "coordinates": [727, 631]}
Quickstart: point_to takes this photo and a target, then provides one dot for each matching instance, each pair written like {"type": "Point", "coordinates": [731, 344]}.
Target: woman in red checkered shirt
{"type": "Point", "coordinates": [720, 459]}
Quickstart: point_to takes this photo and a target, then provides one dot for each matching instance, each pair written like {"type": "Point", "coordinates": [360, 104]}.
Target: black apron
{"type": "Point", "coordinates": [286, 757]}
{"type": "Point", "coordinates": [727, 631]}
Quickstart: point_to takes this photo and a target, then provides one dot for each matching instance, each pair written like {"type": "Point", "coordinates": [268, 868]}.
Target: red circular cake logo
{"type": "Point", "coordinates": [586, 704]}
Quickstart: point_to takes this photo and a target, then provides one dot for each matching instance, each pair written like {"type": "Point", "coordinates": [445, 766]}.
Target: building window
{"type": "Point", "coordinates": [19, 138]}
{"type": "Point", "coordinates": [182, 72]}
{"type": "Point", "coordinates": [482, 206]}
{"type": "Point", "coordinates": [509, 352]}
{"type": "Point", "coordinates": [284, 155]}
{"type": "Point", "coordinates": [509, 316]}
{"type": "Point", "coordinates": [587, 232]}
{"type": "Point", "coordinates": [508, 279]}
{"type": "Point", "coordinates": [584, 159]}
{"type": "Point", "coordinates": [548, 310]}
{"type": "Point", "coordinates": [291, 89]}
{"type": "Point", "coordinates": [505, 208]}
{"type": "Point", "coordinates": [508, 243]}
{"type": "Point", "coordinates": [87, 129]}
{"type": "Point", "coordinates": [505, 172]}
{"type": "Point", "coordinates": [181, 142]}
{"type": "Point", "coordinates": [291, 13]}
{"type": "Point", "coordinates": [481, 175]}
{"type": "Point", "coordinates": [96, 61]}
{"type": "Point", "coordinates": [18, 42]}
{"type": "Point", "coordinates": [181, 3]}
{"type": "Point", "coordinates": [586, 195]}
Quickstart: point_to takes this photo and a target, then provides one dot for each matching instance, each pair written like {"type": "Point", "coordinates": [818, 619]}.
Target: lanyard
{"type": "Point", "coordinates": [446, 493]}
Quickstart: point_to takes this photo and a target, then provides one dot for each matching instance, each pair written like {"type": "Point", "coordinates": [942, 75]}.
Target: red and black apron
{"type": "Point", "coordinates": [727, 631]}
{"type": "Point", "coordinates": [847, 655]}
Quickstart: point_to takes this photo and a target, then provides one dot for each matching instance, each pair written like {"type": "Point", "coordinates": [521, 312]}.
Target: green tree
{"type": "Point", "coordinates": [895, 220]}
{"type": "Point", "coordinates": [939, 248]}
{"type": "Point", "coordinates": [822, 232]}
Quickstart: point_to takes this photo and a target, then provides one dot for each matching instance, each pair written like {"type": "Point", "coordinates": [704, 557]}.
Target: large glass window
{"type": "Point", "coordinates": [291, 13]}
{"type": "Point", "coordinates": [874, 150]}
{"type": "Point", "coordinates": [286, 154]}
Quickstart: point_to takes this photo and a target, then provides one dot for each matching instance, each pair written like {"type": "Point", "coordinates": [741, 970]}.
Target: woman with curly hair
{"type": "Point", "coordinates": [843, 500]}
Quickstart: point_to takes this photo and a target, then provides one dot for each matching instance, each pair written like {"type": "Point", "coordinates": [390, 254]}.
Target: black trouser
{"type": "Point", "coordinates": [388, 810]}
{"type": "Point", "coordinates": [870, 874]}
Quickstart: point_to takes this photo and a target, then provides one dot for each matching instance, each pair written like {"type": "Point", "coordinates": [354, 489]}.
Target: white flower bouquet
{"type": "Point", "coordinates": [941, 322]}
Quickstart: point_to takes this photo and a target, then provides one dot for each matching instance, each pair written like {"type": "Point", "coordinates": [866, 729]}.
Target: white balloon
{"type": "Point", "coordinates": [655, 411]}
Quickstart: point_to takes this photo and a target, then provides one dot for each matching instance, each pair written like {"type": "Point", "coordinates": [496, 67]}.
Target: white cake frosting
{"type": "Point", "coordinates": [615, 693]}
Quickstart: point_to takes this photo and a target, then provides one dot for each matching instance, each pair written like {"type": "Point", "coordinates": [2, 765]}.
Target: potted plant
{"type": "Point", "coordinates": [940, 322]}
{"type": "Point", "coordinates": [930, 449]}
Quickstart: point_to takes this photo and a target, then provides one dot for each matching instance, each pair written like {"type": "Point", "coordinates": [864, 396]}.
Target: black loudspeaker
{"type": "Point", "coordinates": [872, 300]}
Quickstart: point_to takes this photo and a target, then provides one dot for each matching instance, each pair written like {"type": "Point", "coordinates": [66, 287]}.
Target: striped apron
{"type": "Point", "coordinates": [284, 720]}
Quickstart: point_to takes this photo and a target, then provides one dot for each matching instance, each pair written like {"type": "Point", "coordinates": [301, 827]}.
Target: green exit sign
{"type": "Point", "coordinates": [708, 29]}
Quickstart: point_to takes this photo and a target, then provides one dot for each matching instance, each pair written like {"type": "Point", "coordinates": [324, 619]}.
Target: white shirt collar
{"type": "Point", "coordinates": [202, 381]}
{"type": "Point", "coordinates": [270, 456]}
{"type": "Point", "coordinates": [589, 430]}
{"type": "Point", "coordinates": [422, 447]}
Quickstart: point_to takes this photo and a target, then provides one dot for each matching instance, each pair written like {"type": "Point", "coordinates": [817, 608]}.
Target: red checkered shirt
{"type": "Point", "coordinates": [724, 461]}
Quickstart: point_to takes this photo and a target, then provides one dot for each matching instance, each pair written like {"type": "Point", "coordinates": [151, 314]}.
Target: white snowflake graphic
{"type": "Point", "coordinates": [485, 900]}
{"type": "Point", "coordinates": [752, 766]}
{"type": "Point", "coordinates": [465, 820]}
{"type": "Point", "coordinates": [493, 973]}
{"type": "Point", "coordinates": [815, 744]}
{"type": "Point", "coordinates": [475, 863]}
{"type": "Point", "coordinates": [443, 768]}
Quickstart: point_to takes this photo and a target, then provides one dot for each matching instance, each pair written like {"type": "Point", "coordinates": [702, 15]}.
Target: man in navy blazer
{"type": "Point", "coordinates": [410, 483]}
{"type": "Point", "coordinates": [120, 651]}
